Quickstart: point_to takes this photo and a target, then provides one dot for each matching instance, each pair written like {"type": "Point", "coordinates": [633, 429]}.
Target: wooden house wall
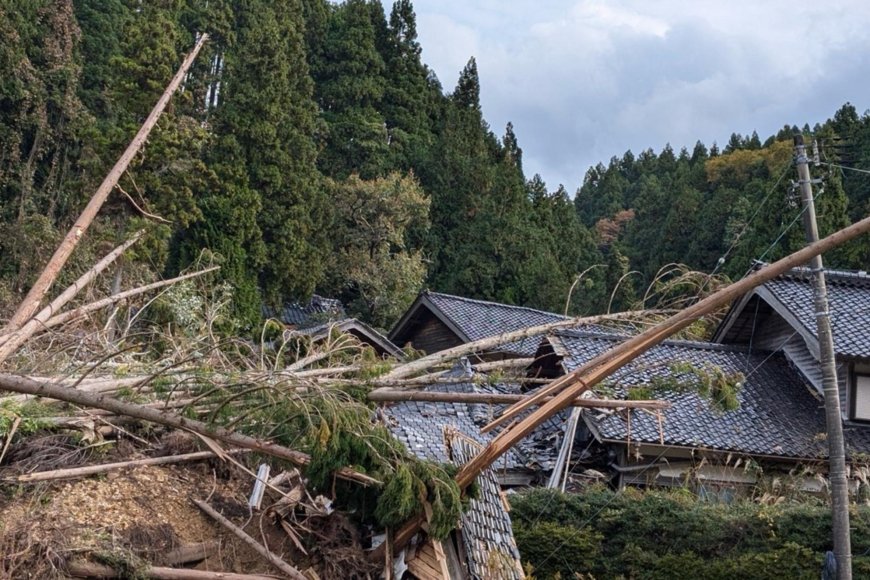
{"type": "Point", "coordinates": [432, 335]}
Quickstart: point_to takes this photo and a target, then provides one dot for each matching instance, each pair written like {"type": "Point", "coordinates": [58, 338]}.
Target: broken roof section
{"type": "Point", "coordinates": [448, 433]}
{"type": "Point", "coordinates": [362, 331]}
{"type": "Point", "coordinates": [791, 297]}
{"type": "Point", "coordinates": [778, 416]}
{"type": "Point", "coordinates": [438, 321]}
{"type": "Point", "coordinates": [316, 311]}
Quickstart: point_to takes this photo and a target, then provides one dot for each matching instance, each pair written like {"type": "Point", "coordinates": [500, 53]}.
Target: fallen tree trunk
{"type": "Point", "coordinates": [81, 569]}
{"type": "Point", "coordinates": [565, 389]}
{"type": "Point", "coordinates": [71, 472]}
{"type": "Point", "coordinates": [433, 359]}
{"type": "Point", "coordinates": [114, 299]}
{"type": "Point", "coordinates": [390, 395]}
{"type": "Point", "coordinates": [10, 342]}
{"type": "Point", "coordinates": [254, 544]}
{"type": "Point", "coordinates": [42, 285]}
{"type": "Point", "coordinates": [24, 385]}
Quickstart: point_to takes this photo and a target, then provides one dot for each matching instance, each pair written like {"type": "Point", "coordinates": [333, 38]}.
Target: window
{"type": "Point", "coordinates": [861, 398]}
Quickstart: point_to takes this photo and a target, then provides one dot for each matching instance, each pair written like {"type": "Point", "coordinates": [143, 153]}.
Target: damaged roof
{"type": "Point", "coordinates": [778, 414]}
{"type": "Point", "coordinates": [316, 311]}
{"type": "Point", "coordinates": [791, 295]}
{"type": "Point", "coordinates": [449, 433]}
{"type": "Point", "coordinates": [357, 328]}
{"type": "Point", "coordinates": [470, 320]}
{"type": "Point", "coordinates": [420, 425]}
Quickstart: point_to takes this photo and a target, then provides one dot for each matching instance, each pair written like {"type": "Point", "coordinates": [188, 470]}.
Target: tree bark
{"type": "Point", "coordinates": [42, 285]}
{"type": "Point", "coordinates": [94, 306]}
{"type": "Point", "coordinates": [55, 474]}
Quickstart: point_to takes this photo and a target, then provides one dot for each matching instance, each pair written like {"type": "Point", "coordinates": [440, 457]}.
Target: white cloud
{"type": "Point", "coordinates": [585, 80]}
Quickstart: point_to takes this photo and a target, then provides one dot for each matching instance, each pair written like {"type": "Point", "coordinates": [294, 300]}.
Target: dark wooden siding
{"type": "Point", "coordinates": [431, 335]}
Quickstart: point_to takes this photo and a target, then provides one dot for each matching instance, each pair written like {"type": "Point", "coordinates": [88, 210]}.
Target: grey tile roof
{"type": "Point", "coordinates": [487, 533]}
{"type": "Point", "coordinates": [479, 319]}
{"type": "Point", "coordinates": [778, 414]}
{"type": "Point", "coordinates": [355, 327]}
{"type": "Point", "coordinates": [420, 425]}
{"type": "Point", "coordinates": [446, 432]}
{"type": "Point", "coordinates": [849, 302]}
{"type": "Point", "coordinates": [315, 312]}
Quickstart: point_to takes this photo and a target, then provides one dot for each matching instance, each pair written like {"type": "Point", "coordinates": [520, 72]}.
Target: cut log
{"type": "Point", "coordinates": [442, 356]}
{"type": "Point", "coordinates": [80, 569]}
{"type": "Point", "coordinates": [390, 395]}
{"type": "Point", "coordinates": [71, 472]}
{"type": "Point", "coordinates": [42, 285]}
{"type": "Point", "coordinates": [24, 385]}
{"type": "Point", "coordinates": [189, 553]}
{"type": "Point", "coordinates": [254, 544]}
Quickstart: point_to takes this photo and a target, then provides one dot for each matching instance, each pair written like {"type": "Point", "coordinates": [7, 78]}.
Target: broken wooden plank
{"type": "Point", "coordinates": [254, 544]}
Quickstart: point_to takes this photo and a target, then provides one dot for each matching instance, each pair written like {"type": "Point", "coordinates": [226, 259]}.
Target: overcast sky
{"type": "Point", "coordinates": [585, 80]}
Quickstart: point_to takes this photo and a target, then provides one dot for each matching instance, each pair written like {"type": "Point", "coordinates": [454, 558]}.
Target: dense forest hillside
{"type": "Point", "coordinates": [311, 149]}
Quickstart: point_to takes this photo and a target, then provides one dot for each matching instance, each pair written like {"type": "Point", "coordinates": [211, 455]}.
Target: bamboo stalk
{"type": "Point", "coordinates": [254, 544]}
{"type": "Point", "coordinates": [20, 384]}
{"type": "Point", "coordinates": [10, 342]}
{"type": "Point", "coordinates": [391, 395]}
{"type": "Point", "coordinates": [433, 359]}
{"type": "Point", "coordinates": [43, 284]}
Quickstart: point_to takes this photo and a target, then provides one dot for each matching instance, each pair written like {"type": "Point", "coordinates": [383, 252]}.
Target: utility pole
{"type": "Point", "coordinates": [833, 418]}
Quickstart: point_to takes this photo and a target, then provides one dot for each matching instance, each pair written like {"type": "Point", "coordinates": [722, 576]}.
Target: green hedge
{"type": "Point", "coordinates": [668, 534]}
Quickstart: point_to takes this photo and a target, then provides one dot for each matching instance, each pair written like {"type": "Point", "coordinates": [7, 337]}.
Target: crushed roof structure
{"type": "Point", "coordinates": [791, 297]}
{"type": "Point", "coordinates": [437, 321]}
{"type": "Point", "coordinates": [359, 329]}
{"type": "Point", "coordinates": [779, 415]}
{"type": "Point", "coordinates": [316, 311]}
{"type": "Point", "coordinates": [450, 433]}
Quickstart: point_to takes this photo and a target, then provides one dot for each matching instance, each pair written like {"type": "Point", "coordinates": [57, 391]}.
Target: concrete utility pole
{"type": "Point", "coordinates": [833, 418]}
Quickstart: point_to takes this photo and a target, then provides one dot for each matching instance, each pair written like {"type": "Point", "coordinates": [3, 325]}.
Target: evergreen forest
{"type": "Point", "coordinates": [311, 150]}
